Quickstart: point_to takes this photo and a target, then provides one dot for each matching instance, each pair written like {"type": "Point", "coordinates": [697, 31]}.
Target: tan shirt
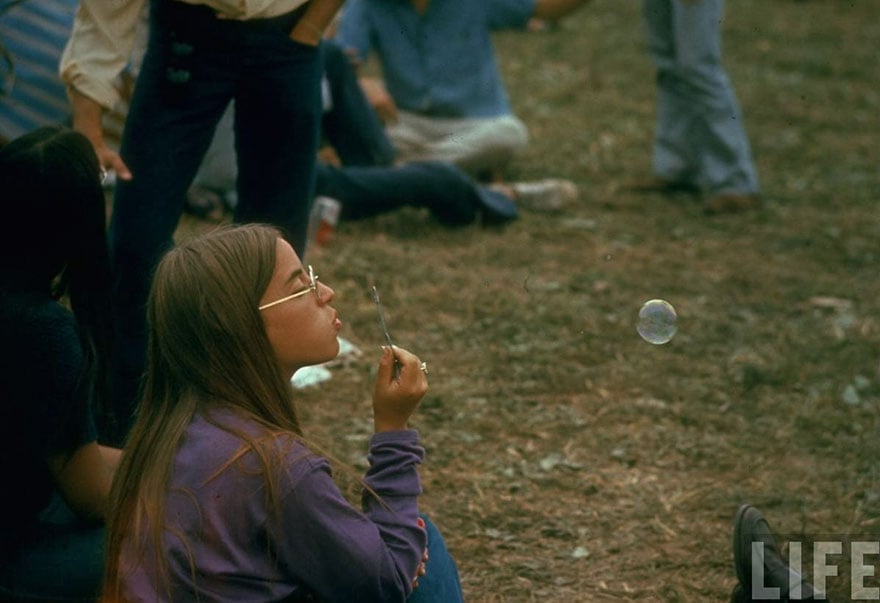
{"type": "Point", "coordinates": [104, 33]}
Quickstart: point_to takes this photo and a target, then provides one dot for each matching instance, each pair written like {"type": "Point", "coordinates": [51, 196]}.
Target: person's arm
{"type": "Point", "coordinates": [314, 22]}
{"type": "Point", "coordinates": [87, 115]}
{"type": "Point", "coordinates": [354, 37]}
{"type": "Point", "coordinates": [84, 478]}
{"type": "Point", "coordinates": [553, 10]}
{"type": "Point", "coordinates": [341, 553]}
{"type": "Point", "coordinates": [99, 48]}
{"type": "Point", "coordinates": [379, 98]}
{"type": "Point", "coordinates": [376, 554]}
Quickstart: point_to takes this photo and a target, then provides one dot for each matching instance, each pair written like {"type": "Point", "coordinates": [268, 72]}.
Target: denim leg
{"type": "Point", "coordinates": [351, 125]}
{"type": "Point", "coordinates": [722, 147]}
{"type": "Point", "coordinates": [194, 66]}
{"type": "Point", "coordinates": [277, 122]}
{"type": "Point", "coordinates": [700, 135]}
{"type": "Point", "coordinates": [177, 102]}
{"type": "Point", "coordinates": [369, 191]}
{"type": "Point", "coordinates": [219, 168]}
{"type": "Point", "coordinates": [441, 583]}
{"type": "Point", "coordinates": [672, 153]}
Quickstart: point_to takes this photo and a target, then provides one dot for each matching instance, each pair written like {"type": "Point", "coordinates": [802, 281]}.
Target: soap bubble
{"type": "Point", "coordinates": [657, 321]}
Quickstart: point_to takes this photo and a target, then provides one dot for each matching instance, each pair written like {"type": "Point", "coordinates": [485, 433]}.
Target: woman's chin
{"type": "Point", "coordinates": [331, 353]}
{"type": "Point", "coordinates": [332, 350]}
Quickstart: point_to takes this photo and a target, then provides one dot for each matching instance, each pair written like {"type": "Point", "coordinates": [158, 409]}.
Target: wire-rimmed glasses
{"type": "Point", "coordinates": [313, 286]}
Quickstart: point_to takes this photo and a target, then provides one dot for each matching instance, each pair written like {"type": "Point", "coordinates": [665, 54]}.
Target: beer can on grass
{"type": "Point", "coordinates": [323, 220]}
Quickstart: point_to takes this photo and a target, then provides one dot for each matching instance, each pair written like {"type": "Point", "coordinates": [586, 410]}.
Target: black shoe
{"type": "Point", "coordinates": [731, 203]}
{"type": "Point", "coordinates": [663, 186]}
{"type": "Point", "coordinates": [750, 526]}
{"type": "Point", "coordinates": [495, 208]}
{"type": "Point", "coordinates": [738, 595]}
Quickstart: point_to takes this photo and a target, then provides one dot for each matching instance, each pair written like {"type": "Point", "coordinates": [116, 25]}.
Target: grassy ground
{"type": "Point", "coordinates": [569, 460]}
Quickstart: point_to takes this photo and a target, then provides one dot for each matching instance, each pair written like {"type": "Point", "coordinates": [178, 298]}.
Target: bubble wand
{"type": "Point", "coordinates": [397, 364]}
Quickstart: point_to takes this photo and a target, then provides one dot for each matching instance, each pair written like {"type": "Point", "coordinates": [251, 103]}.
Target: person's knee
{"type": "Point", "coordinates": [441, 581]}
{"type": "Point", "coordinates": [512, 134]}
{"type": "Point", "coordinates": [436, 544]}
{"type": "Point", "coordinates": [498, 143]}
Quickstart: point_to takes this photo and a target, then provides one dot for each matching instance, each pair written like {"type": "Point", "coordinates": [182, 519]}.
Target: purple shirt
{"type": "Point", "coordinates": [325, 547]}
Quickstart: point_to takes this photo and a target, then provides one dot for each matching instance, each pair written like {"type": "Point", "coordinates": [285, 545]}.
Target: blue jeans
{"type": "Point", "coordinates": [62, 560]}
{"type": "Point", "coordinates": [351, 125]}
{"type": "Point", "coordinates": [441, 583]}
{"type": "Point", "coordinates": [194, 66]}
{"type": "Point", "coordinates": [700, 138]}
{"type": "Point", "coordinates": [451, 196]}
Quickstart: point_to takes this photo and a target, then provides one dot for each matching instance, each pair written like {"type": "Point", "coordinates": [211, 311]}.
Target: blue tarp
{"type": "Point", "coordinates": [32, 94]}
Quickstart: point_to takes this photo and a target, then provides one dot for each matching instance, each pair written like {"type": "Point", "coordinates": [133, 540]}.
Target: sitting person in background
{"type": "Point", "coordinates": [54, 377]}
{"type": "Point", "coordinates": [367, 180]}
{"type": "Point", "coordinates": [363, 191]}
{"type": "Point", "coordinates": [356, 167]}
{"type": "Point", "coordinates": [219, 491]}
{"type": "Point", "coordinates": [445, 99]}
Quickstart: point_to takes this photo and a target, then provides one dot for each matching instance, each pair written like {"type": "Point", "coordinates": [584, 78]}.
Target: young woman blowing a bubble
{"type": "Point", "coordinates": [219, 494]}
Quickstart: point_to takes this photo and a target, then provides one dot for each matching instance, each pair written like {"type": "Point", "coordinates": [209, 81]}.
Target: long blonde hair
{"type": "Point", "coordinates": [207, 348]}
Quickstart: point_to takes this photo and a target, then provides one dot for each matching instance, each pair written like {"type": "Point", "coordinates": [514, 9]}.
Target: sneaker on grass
{"type": "Point", "coordinates": [550, 195]}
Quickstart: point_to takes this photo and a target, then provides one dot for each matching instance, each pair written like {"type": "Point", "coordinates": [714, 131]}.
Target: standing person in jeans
{"type": "Point", "coordinates": [265, 55]}
{"type": "Point", "coordinates": [700, 143]}
{"type": "Point", "coordinates": [220, 493]}
{"type": "Point", "coordinates": [56, 329]}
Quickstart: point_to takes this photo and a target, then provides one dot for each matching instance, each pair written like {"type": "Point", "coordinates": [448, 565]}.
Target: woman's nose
{"type": "Point", "coordinates": [325, 293]}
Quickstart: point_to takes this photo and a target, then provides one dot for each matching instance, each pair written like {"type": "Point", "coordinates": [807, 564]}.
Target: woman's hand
{"type": "Point", "coordinates": [318, 16]}
{"type": "Point", "coordinates": [395, 398]}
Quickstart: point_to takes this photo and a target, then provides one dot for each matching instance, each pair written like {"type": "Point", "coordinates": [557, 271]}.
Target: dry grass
{"type": "Point", "coordinates": [568, 460]}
